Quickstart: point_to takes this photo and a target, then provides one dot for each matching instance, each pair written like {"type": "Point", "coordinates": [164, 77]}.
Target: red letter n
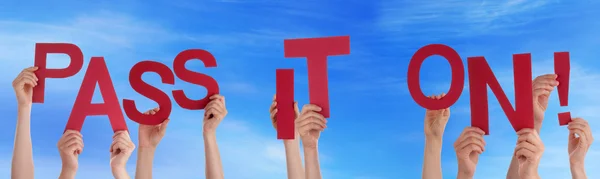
{"type": "Point", "coordinates": [481, 76]}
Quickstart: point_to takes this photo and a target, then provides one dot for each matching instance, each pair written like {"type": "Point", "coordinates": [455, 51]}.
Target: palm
{"type": "Point", "coordinates": [540, 106]}
{"type": "Point", "coordinates": [311, 138]}
{"type": "Point", "coordinates": [24, 94]}
{"type": "Point", "coordinates": [436, 120]}
{"type": "Point", "coordinates": [469, 161]}
{"type": "Point", "coordinates": [149, 135]}
{"type": "Point", "coordinates": [575, 148]}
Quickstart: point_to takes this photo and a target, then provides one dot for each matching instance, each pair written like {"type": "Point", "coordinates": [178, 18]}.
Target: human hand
{"type": "Point", "coordinates": [529, 151]}
{"type": "Point", "coordinates": [120, 150]}
{"type": "Point", "coordinates": [468, 147]}
{"type": "Point", "coordinates": [310, 124]}
{"type": "Point", "coordinates": [150, 135]}
{"type": "Point", "coordinates": [436, 120]}
{"type": "Point", "coordinates": [23, 85]}
{"type": "Point", "coordinates": [578, 146]}
{"type": "Point", "coordinates": [273, 111]}
{"type": "Point", "coordinates": [542, 87]}
{"type": "Point", "coordinates": [214, 112]}
{"type": "Point", "coordinates": [70, 146]}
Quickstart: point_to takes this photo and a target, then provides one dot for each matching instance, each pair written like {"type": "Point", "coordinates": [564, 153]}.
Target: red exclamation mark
{"type": "Point", "coordinates": [285, 103]}
{"type": "Point", "coordinates": [562, 68]}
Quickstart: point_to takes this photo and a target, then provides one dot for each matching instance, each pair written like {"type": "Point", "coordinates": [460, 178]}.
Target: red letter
{"type": "Point", "coordinates": [43, 49]}
{"type": "Point", "coordinates": [184, 74]}
{"type": "Point", "coordinates": [285, 103]}
{"type": "Point", "coordinates": [481, 76]}
{"type": "Point", "coordinates": [458, 76]}
{"type": "Point", "coordinates": [316, 51]}
{"type": "Point", "coordinates": [96, 73]}
{"type": "Point", "coordinates": [149, 91]}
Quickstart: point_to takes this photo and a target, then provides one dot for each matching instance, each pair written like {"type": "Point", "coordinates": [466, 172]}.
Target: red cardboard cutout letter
{"type": "Point", "coordinates": [96, 73]}
{"type": "Point", "coordinates": [458, 76]}
{"type": "Point", "coordinates": [316, 51]}
{"type": "Point", "coordinates": [41, 52]}
{"type": "Point", "coordinates": [149, 91]}
{"type": "Point", "coordinates": [211, 85]}
{"type": "Point", "coordinates": [285, 103]}
{"type": "Point", "coordinates": [481, 76]}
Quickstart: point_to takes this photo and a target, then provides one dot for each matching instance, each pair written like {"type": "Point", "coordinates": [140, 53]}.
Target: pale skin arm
{"type": "Point", "coordinates": [149, 138]}
{"type": "Point", "coordinates": [542, 87]}
{"type": "Point", "coordinates": [22, 160]}
{"type": "Point", "coordinates": [310, 124]}
{"type": "Point", "coordinates": [435, 124]}
{"type": "Point", "coordinates": [293, 160]}
{"type": "Point", "coordinates": [214, 113]}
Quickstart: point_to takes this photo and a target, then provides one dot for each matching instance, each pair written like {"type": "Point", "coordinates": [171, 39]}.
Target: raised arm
{"type": "Point", "coordinates": [578, 146]}
{"type": "Point", "coordinates": [310, 124]}
{"type": "Point", "coordinates": [468, 147]}
{"type": "Point", "coordinates": [70, 146]}
{"type": "Point", "coordinates": [542, 87]}
{"type": "Point", "coordinates": [292, 147]}
{"type": "Point", "coordinates": [120, 150]}
{"type": "Point", "coordinates": [214, 112]}
{"type": "Point", "coordinates": [22, 160]}
{"type": "Point", "coordinates": [435, 124]}
{"type": "Point", "coordinates": [148, 139]}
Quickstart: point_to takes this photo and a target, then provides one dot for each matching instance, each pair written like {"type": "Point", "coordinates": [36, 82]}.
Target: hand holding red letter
{"type": "Point", "coordinates": [120, 151]}
{"type": "Point", "coordinates": [70, 146]}
{"type": "Point", "coordinates": [580, 144]}
{"type": "Point", "coordinates": [150, 135]}
{"type": "Point", "coordinates": [436, 120]}
{"type": "Point", "coordinates": [23, 86]}
{"type": "Point", "coordinates": [542, 87]}
{"type": "Point", "coordinates": [468, 147]}
{"type": "Point", "coordinates": [214, 112]}
{"type": "Point", "coordinates": [310, 124]}
{"type": "Point", "coordinates": [529, 151]}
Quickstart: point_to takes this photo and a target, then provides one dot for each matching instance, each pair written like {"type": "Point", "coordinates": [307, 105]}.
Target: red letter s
{"type": "Point", "coordinates": [211, 85]}
{"type": "Point", "coordinates": [149, 91]}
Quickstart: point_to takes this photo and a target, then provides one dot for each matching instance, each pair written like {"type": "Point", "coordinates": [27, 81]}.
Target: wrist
{"type": "Point", "coordinates": [433, 139]}
{"type": "Point", "coordinates": [464, 174]}
{"type": "Point", "coordinates": [209, 133]}
{"type": "Point", "coordinates": [119, 172]}
{"type": "Point", "coordinates": [433, 145]}
{"type": "Point", "coordinates": [67, 173]}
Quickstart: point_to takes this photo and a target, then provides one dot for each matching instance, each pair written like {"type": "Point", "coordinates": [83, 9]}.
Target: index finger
{"type": "Point", "coordinates": [310, 107]}
{"type": "Point", "coordinates": [524, 131]}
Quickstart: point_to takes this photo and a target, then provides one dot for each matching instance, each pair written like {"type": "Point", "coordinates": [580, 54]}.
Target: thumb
{"type": "Point", "coordinates": [163, 126]}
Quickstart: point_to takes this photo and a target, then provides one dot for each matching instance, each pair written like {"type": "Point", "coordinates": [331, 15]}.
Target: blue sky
{"type": "Point", "coordinates": [375, 130]}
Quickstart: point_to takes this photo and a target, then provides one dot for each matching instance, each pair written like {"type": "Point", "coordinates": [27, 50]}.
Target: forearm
{"type": "Point", "coordinates": [578, 171]}
{"type": "Point", "coordinates": [144, 163]}
{"type": "Point", "coordinates": [311, 160]}
{"type": "Point", "coordinates": [214, 168]}
{"type": "Point", "coordinates": [513, 169]}
{"type": "Point", "coordinates": [462, 175]}
{"type": "Point", "coordinates": [293, 159]}
{"type": "Point", "coordinates": [67, 174]}
{"type": "Point", "coordinates": [22, 161]}
{"type": "Point", "coordinates": [120, 172]}
{"type": "Point", "coordinates": [432, 161]}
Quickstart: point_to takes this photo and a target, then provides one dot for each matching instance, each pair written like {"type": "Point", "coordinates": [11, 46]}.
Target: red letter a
{"type": "Point", "coordinates": [96, 73]}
